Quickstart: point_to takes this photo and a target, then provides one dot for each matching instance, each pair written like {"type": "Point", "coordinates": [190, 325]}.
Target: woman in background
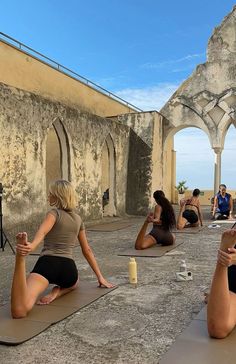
{"type": "Point", "coordinates": [163, 220]}
{"type": "Point", "coordinates": [223, 204]}
{"type": "Point", "coordinates": [190, 214]}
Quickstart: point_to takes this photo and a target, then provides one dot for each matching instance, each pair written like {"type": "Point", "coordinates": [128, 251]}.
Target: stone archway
{"type": "Point", "coordinates": [108, 168]}
{"type": "Point", "coordinates": [57, 153]}
{"type": "Point", "coordinates": [207, 99]}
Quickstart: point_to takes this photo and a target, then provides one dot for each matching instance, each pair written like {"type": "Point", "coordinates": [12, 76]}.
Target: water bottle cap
{"type": "Point", "coordinates": [132, 259]}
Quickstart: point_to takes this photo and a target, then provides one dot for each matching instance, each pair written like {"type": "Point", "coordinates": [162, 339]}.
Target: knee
{"type": "Point", "coordinates": [180, 226]}
{"type": "Point", "coordinates": [18, 313]}
{"type": "Point", "coordinates": [217, 330]}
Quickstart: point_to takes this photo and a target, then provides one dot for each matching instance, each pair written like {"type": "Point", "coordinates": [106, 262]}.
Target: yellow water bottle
{"type": "Point", "coordinates": [133, 271]}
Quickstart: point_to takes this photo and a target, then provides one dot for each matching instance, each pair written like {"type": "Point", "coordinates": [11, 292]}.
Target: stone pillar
{"type": "Point", "coordinates": [217, 169]}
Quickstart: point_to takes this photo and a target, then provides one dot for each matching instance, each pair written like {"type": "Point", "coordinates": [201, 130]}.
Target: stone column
{"type": "Point", "coordinates": [217, 170]}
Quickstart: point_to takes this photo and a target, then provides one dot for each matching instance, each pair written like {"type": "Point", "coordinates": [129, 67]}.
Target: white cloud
{"type": "Point", "coordinates": [187, 58]}
{"type": "Point", "coordinates": [149, 98]}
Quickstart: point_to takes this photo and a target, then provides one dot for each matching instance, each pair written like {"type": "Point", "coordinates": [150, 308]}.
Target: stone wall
{"type": "Point", "coordinates": [145, 165]}
{"type": "Point", "coordinates": [25, 120]}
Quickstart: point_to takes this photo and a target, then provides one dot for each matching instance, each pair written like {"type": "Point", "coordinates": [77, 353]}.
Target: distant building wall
{"type": "Point", "coordinates": [206, 196]}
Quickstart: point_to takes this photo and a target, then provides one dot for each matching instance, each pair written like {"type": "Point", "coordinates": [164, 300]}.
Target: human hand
{"type": "Point", "coordinates": [227, 258]}
{"type": "Point", "coordinates": [150, 217]}
{"type": "Point", "coordinates": [103, 283]}
{"type": "Point", "coordinates": [23, 249]}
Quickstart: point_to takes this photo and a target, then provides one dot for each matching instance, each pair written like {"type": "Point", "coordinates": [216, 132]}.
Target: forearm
{"type": "Point", "coordinates": [38, 238]}
{"type": "Point", "coordinates": [89, 256]}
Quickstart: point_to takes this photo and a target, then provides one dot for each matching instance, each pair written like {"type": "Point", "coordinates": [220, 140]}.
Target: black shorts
{"type": "Point", "coordinates": [163, 237]}
{"type": "Point", "coordinates": [222, 215]}
{"type": "Point", "coordinates": [190, 216]}
{"type": "Point", "coordinates": [57, 270]}
{"type": "Point", "coordinates": [232, 278]}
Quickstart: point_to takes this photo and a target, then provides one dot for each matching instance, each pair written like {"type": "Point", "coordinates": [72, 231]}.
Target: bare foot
{"type": "Point", "coordinates": [228, 240]}
{"type": "Point", "coordinates": [49, 297]}
{"type": "Point", "coordinates": [21, 238]}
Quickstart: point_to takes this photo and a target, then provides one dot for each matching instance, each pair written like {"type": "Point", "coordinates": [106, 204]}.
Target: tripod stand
{"type": "Point", "coordinates": [3, 238]}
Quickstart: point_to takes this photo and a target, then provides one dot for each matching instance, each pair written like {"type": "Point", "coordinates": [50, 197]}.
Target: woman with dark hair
{"type": "Point", "coordinates": [190, 214]}
{"type": "Point", "coordinates": [163, 220]}
{"type": "Point", "coordinates": [223, 204]}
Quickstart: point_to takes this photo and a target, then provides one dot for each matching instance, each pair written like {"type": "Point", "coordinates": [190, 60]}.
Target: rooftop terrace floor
{"type": "Point", "coordinates": [128, 325]}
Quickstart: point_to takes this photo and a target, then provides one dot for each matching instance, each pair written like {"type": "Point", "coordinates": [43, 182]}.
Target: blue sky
{"type": "Point", "coordinates": [141, 50]}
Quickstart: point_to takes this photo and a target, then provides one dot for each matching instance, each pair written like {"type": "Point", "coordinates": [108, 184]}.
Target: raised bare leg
{"type": "Point", "coordinates": [23, 290]}
{"type": "Point", "coordinates": [181, 221]}
{"type": "Point", "coordinates": [221, 309]}
{"type": "Point", "coordinates": [144, 241]}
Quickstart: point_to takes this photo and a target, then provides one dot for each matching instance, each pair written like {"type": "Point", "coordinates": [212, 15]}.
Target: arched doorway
{"type": "Point", "coordinates": [188, 156]}
{"type": "Point", "coordinates": [228, 168]}
{"type": "Point", "coordinates": [108, 177]}
{"type": "Point", "coordinates": [57, 153]}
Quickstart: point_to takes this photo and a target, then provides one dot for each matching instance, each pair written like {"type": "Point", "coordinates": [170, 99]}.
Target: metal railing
{"type": "Point", "coordinates": [50, 62]}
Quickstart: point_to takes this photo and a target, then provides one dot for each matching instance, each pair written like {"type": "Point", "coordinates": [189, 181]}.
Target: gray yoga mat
{"type": "Point", "coordinates": [189, 230]}
{"type": "Point", "coordinates": [230, 222]}
{"type": "Point", "coordinates": [153, 252]}
{"type": "Point", "coordinates": [195, 346]}
{"type": "Point", "coordinates": [112, 226]}
{"type": "Point", "coordinates": [16, 331]}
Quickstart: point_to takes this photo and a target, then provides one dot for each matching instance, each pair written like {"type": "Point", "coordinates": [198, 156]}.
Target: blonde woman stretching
{"type": "Point", "coordinates": [60, 230]}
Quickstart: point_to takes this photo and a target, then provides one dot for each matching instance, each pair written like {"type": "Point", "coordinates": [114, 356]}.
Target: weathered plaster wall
{"type": "Point", "coordinates": [23, 71]}
{"type": "Point", "coordinates": [25, 119]}
{"type": "Point", "coordinates": [145, 166]}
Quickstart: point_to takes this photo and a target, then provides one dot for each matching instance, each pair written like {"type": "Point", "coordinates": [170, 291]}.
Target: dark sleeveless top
{"type": "Point", "coordinates": [223, 202]}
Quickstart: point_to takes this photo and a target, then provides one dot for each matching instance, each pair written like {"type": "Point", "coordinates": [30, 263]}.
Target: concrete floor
{"type": "Point", "coordinates": [127, 325]}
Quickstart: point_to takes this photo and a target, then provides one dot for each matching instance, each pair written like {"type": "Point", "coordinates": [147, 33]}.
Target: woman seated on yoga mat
{"type": "Point", "coordinates": [163, 220]}
{"type": "Point", "coordinates": [223, 204]}
{"type": "Point", "coordinates": [190, 214]}
{"type": "Point", "coordinates": [221, 308]}
{"type": "Point", "coordinates": [60, 230]}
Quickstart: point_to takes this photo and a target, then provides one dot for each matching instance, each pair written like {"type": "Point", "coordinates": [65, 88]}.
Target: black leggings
{"type": "Point", "coordinates": [163, 237]}
{"type": "Point", "coordinates": [57, 270]}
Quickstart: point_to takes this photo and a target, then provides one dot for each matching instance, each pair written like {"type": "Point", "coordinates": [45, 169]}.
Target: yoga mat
{"type": "Point", "coordinates": [154, 251]}
{"type": "Point", "coordinates": [232, 222]}
{"type": "Point", "coordinates": [195, 346]}
{"type": "Point", "coordinates": [189, 230]}
{"type": "Point", "coordinates": [113, 226]}
{"type": "Point", "coordinates": [16, 331]}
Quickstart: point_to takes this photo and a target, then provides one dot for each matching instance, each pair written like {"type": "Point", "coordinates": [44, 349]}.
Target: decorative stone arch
{"type": "Point", "coordinates": [169, 156]}
{"type": "Point", "coordinates": [108, 177]}
{"type": "Point", "coordinates": [210, 92]}
{"type": "Point", "coordinates": [57, 153]}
